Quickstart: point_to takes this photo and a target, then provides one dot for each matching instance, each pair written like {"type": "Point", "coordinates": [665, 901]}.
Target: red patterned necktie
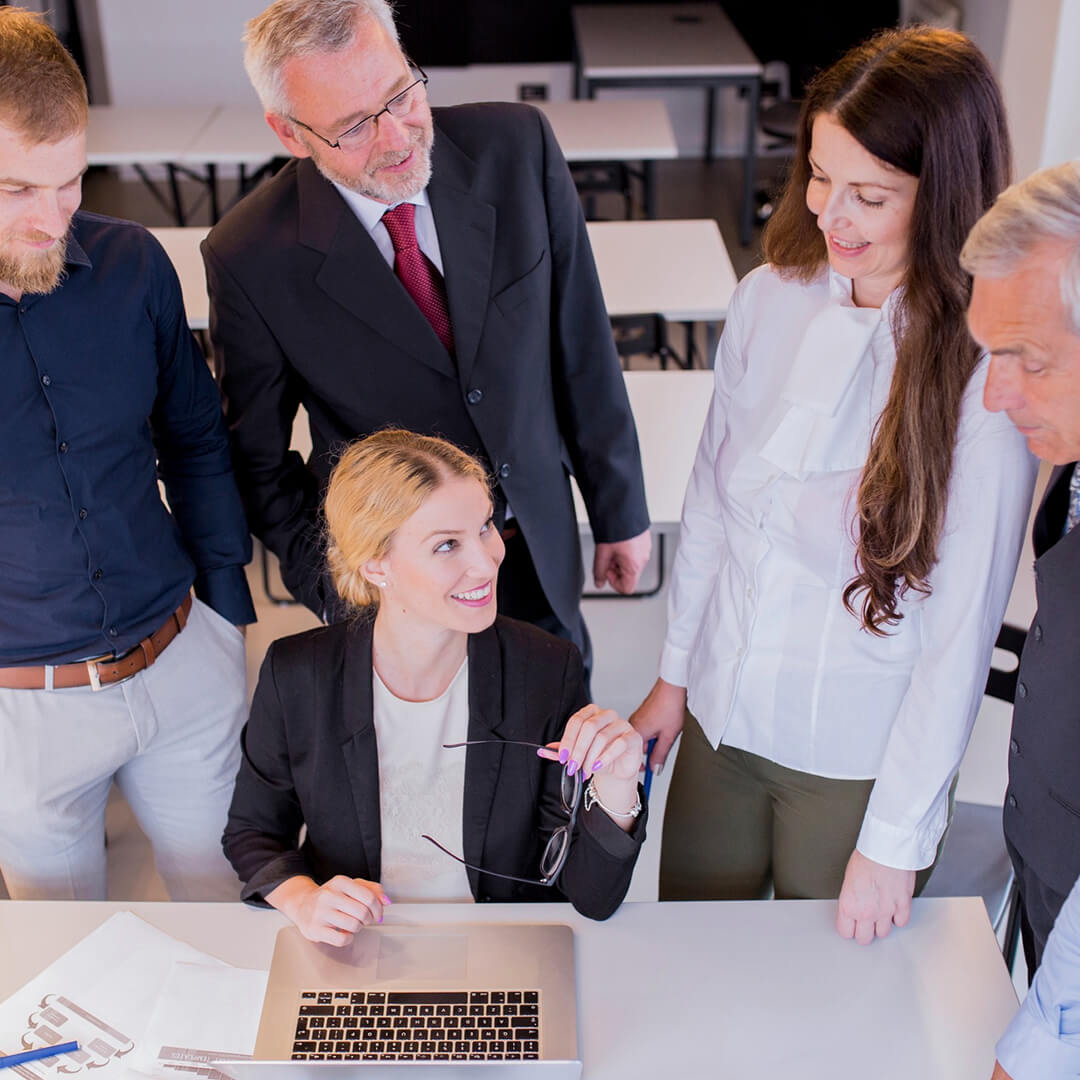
{"type": "Point", "coordinates": [421, 280]}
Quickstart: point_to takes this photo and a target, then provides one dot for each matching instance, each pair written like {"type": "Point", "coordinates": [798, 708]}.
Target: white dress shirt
{"type": "Point", "coordinates": [370, 212]}
{"type": "Point", "coordinates": [422, 790]}
{"type": "Point", "coordinates": [757, 630]}
{"type": "Point", "coordinates": [1043, 1040]}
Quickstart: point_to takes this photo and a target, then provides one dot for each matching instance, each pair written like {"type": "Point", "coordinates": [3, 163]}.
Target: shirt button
{"type": "Point", "coordinates": [739, 651]}
{"type": "Point", "coordinates": [474, 397]}
{"type": "Point", "coordinates": [1021, 690]}
{"type": "Point", "coordinates": [99, 574]}
{"type": "Point", "coordinates": [749, 591]}
{"type": "Point", "coordinates": [1038, 633]}
{"type": "Point", "coordinates": [113, 632]}
{"type": "Point", "coordinates": [83, 513]}
{"type": "Point", "coordinates": [46, 381]}
{"type": "Point", "coordinates": [1014, 746]}
{"type": "Point", "coordinates": [1012, 800]}
{"type": "Point", "coordinates": [504, 471]}
{"type": "Point", "coordinates": [63, 448]}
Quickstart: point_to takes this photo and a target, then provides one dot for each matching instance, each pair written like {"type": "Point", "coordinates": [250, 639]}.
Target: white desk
{"type": "Point", "coordinates": [731, 990]}
{"type": "Point", "coordinates": [132, 135]}
{"type": "Point", "coordinates": [678, 269]}
{"type": "Point", "coordinates": [650, 45]}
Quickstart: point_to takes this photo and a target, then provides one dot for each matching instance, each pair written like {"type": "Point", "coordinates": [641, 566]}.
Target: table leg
{"type": "Point", "coordinates": [648, 182]}
{"type": "Point", "coordinates": [174, 188]}
{"type": "Point", "coordinates": [753, 91]}
{"type": "Point", "coordinates": [212, 187]}
{"type": "Point", "coordinates": [710, 120]}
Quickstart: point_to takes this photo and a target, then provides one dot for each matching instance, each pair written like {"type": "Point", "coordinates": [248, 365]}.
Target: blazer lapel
{"type": "Point", "coordinates": [1053, 510]}
{"type": "Point", "coordinates": [482, 764]}
{"type": "Point", "coordinates": [355, 275]}
{"type": "Point", "coordinates": [359, 747]}
{"type": "Point", "coordinates": [466, 228]}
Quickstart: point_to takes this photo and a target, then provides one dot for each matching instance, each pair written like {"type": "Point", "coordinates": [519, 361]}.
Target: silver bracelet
{"type": "Point", "coordinates": [593, 799]}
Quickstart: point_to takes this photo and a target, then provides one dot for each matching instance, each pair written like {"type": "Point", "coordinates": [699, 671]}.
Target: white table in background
{"type": "Point", "coordinates": [139, 136]}
{"type": "Point", "coordinates": [615, 130]}
{"type": "Point", "coordinates": [694, 990]}
{"type": "Point", "coordinates": [652, 45]}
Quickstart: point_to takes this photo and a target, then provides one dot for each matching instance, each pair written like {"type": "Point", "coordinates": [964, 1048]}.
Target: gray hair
{"type": "Point", "coordinates": [1045, 206]}
{"type": "Point", "coordinates": [291, 28]}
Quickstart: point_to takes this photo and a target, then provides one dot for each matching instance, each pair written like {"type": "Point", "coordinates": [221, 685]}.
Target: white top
{"type": "Point", "coordinates": [422, 790]}
{"type": "Point", "coordinates": [370, 212]}
{"type": "Point", "coordinates": [757, 630]}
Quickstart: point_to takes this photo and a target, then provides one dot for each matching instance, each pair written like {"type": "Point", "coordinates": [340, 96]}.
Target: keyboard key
{"type": "Point", "coordinates": [383, 1022]}
{"type": "Point", "coordinates": [485, 1022]}
{"type": "Point", "coordinates": [510, 1010]}
{"type": "Point", "coordinates": [429, 997]}
{"type": "Point", "coordinates": [367, 1021]}
{"type": "Point", "coordinates": [344, 1010]}
{"type": "Point", "coordinates": [393, 1010]}
{"type": "Point", "coordinates": [410, 1010]}
{"type": "Point", "coordinates": [478, 997]}
{"type": "Point", "coordinates": [514, 1045]}
{"type": "Point", "coordinates": [460, 1010]}
{"type": "Point", "coordinates": [451, 1022]}
{"type": "Point", "coordinates": [317, 1010]}
{"type": "Point", "coordinates": [434, 1021]}
{"type": "Point", "coordinates": [406, 1057]}
{"type": "Point", "coordinates": [411, 1047]}
{"type": "Point", "coordinates": [352, 1057]}
{"type": "Point", "coordinates": [359, 1010]}
{"type": "Point", "coordinates": [532, 997]}
{"type": "Point", "coordinates": [513, 1057]}
{"type": "Point", "coordinates": [299, 1057]}
{"type": "Point", "coordinates": [316, 1057]}
{"type": "Point", "coordinates": [308, 995]}
{"type": "Point", "coordinates": [326, 1047]}
{"type": "Point", "coordinates": [393, 1047]}
{"type": "Point", "coordinates": [370, 1057]}
{"type": "Point", "coordinates": [376, 1010]}
{"type": "Point", "coordinates": [529, 1010]}
{"type": "Point", "coordinates": [341, 995]}
{"type": "Point", "coordinates": [498, 997]}
{"type": "Point", "coordinates": [495, 1057]}
{"type": "Point", "coordinates": [532, 1047]}
{"type": "Point", "coordinates": [476, 1010]}
{"type": "Point", "coordinates": [427, 1010]}
{"type": "Point", "coordinates": [513, 997]}
{"type": "Point", "coordinates": [496, 1047]}
{"type": "Point", "coordinates": [502, 1021]}
{"type": "Point", "coordinates": [357, 997]}
{"type": "Point", "coordinates": [401, 1021]}
{"type": "Point", "coordinates": [445, 1048]}
{"type": "Point", "coordinates": [304, 1047]}
{"type": "Point", "coordinates": [460, 1048]}
{"type": "Point", "coordinates": [343, 1047]}
{"type": "Point", "coordinates": [530, 1057]}
{"type": "Point", "coordinates": [459, 1057]}
{"type": "Point", "coordinates": [333, 1057]}
{"type": "Point", "coordinates": [489, 1034]}
{"type": "Point", "coordinates": [522, 1021]}
{"type": "Point", "coordinates": [325, 998]}
{"type": "Point", "coordinates": [442, 1057]}
{"type": "Point", "coordinates": [477, 1057]}
{"type": "Point", "coordinates": [377, 998]}
{"type": "Point", "coordinates": [442, 1010]}
{"type": "Point", "coordinates": [371, 1035]}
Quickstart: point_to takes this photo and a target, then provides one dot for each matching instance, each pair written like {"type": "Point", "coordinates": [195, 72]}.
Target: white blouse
{"type": "Point", "coordinates": [422, 790]}
{"type": "Point", "coordinates": [757, 630]}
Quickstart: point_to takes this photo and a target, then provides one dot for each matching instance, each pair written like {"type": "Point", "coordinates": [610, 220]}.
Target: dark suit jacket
{"type": "Point", "coordinates": [305, 309]}
{"type": "Point", "coordinates": [1042, 805]}
{"type": "Point", "coordinates": [310, 757]}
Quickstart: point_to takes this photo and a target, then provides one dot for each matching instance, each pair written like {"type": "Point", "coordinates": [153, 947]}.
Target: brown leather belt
{"type": "Point", "coordinates": [99, 671]}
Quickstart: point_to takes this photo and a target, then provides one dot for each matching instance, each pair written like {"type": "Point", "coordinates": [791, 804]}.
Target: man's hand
{"type": "Point", "coordinates": [620, 564]}
{"type": "Point", "coordinates": [873, 899]}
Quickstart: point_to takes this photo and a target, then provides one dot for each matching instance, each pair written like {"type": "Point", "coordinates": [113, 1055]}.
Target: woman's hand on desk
{"type": "Point", "coordinates": [660, 716]}
{"type": "Point", "coordinates": [331, 912]}
{"type": "Point", "coordinates": [605, 748]}
{"type": "Point", "coordinates": [873, 899]}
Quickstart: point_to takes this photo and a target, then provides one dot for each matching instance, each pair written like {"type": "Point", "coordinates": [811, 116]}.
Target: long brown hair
{"type": "Point", "coordinates": [924, 101]}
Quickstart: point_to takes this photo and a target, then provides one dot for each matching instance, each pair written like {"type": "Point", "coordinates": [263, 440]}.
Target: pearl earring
{"type": "Point", "coordinates": [382, 584]}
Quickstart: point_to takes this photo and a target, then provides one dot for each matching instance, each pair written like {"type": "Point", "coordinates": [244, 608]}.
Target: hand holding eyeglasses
{"type": "Point", "coordinates": [331, 912]}
{"type": "Point", "coordinates": [603, 746]}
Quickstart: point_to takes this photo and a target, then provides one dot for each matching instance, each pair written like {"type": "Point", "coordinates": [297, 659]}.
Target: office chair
{"type": "Point", "coordinates": [974, 861]}
{"type": "Point", "coordinates": [643, 335]}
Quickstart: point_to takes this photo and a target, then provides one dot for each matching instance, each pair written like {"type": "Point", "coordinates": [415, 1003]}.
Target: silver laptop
{"type": "Point", "coordinates": [483, 1001]}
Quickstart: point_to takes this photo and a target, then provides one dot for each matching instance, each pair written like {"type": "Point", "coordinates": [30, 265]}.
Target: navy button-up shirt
{"type": "Point", "coordinates": [105, 390]}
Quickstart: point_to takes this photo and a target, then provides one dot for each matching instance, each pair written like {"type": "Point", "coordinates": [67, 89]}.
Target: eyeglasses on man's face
{"type": "Point", "coordinates": [554, 855]}
{"type": "Point", "coordinates": [363, 132]}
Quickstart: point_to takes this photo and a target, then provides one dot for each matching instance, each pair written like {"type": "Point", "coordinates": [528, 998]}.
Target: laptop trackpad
{"type": "Point", "coordinates": [401, 956]}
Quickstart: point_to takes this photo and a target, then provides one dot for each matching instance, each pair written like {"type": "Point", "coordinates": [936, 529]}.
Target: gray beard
{"type": "Point", "coordinates": [41, 274]}
{"type": "Point", "coordinates": [388, 193]}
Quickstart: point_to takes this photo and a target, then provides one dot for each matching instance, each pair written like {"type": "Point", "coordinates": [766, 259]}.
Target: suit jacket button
{"type": "Point", "coordinates": [504, 471]}
{"type": "Point", "coordinates": [1021, 690]}
{"type": "Point", "coordinates": [1011, 800]}
{"type": "Point", "coordinates": [1014, 746]}
{"type": "Point", "coordinates": [474, 397]}
{"type": "Point", "coordinates": [1038, 633]}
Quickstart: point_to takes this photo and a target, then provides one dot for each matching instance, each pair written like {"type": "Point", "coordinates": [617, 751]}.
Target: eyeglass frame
{"type": "Point", "coordinates": [566, 830]}
{"type": "Point", "coordinates": [373, 117]}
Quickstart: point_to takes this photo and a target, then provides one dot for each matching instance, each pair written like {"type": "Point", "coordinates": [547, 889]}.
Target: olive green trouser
{"type": "Point", "coordinates": [736, 824]}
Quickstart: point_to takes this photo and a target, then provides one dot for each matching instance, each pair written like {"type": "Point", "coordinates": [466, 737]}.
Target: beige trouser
{"type": "Point", "coordinates": [736, 824]}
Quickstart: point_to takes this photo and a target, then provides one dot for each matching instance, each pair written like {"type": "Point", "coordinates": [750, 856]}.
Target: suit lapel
{"type": "Point", "coordinates": [1053, 510]}
{"type": "Point", "coordinates": [466, 228]}
{"type": "Point", "coordinates": [482, 763]}
{"type": "Point", "coordinates": [355, 275]}
{"type": "Point", "coordinates": [359, 747]}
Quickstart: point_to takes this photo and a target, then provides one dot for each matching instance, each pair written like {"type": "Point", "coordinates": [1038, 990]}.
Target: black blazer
{"type": "Point", "coordinates": [304, 309]}
{"type": "Point", "coordinates": [1042, 804]}
{"type": "Point", "coordinates": [310, 757]}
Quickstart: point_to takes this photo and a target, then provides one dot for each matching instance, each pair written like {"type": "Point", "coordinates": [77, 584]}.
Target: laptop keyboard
{"type": "Point", "coordinates": [418, 1025]}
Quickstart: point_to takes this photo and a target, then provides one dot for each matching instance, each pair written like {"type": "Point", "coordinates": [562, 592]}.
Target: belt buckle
{"type": "Point", "coordinates": [92, 671]}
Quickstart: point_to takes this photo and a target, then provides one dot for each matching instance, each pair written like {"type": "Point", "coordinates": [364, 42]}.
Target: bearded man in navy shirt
{"type": "Point", "coordinates": [108, 667]}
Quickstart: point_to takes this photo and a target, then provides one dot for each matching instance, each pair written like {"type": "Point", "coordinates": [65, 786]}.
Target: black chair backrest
{"type": "Point", "coordinates": [1002, 684]}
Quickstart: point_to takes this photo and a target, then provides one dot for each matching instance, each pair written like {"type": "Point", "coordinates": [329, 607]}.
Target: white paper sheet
{"type": "Point", "coordinates": [103, 992]}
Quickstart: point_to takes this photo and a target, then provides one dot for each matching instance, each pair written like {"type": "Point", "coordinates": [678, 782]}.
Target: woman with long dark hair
{"type": "Point", "coordinates": [854, 517]}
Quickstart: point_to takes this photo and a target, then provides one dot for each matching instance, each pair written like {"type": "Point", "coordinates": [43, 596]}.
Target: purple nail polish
{"type": "Point", "coordinates": [563, 756]}
{"type": "Point", "coordinates": [540, 751]}
{"type": "Point", "coordinates": [571, 768]}
{"type": "Point", "coordinates": [597, 764]}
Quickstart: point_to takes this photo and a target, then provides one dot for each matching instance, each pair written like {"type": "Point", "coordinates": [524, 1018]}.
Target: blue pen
{"type": "Point", "coordinates": [647, 782]}
{"type": "Point", "coordinates": [35, 1055]}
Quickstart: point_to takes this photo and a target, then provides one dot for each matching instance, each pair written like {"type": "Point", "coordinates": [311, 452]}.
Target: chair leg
{"type": "Point", "coordinates": [1010, 945]}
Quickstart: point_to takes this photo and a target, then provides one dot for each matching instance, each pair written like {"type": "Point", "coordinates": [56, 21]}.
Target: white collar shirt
{"type": "Point", "coordinates": [369, 212]}
{"type": "Point", "coordinates": [757, 631]}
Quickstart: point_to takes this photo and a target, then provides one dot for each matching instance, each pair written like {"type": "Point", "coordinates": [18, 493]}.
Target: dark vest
{"type": "Point", "coordinates": [1042, 804]}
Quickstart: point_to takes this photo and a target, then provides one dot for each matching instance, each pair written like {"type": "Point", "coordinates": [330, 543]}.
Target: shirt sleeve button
{"type": "Point", "coordinates": [504, 471]}
{"type": "Point", "coordinates": [113, 632]}
{"type": "Point", "coordinates": [63, 448]}
{"type": "Point", "coordinates": [98, 575]}
{"type": "Point", "coordinates": [83, 512]}
{"type": "Point", "coordinates": [474, 397]}
{"type": "Point", "coordinates": [46, 381]}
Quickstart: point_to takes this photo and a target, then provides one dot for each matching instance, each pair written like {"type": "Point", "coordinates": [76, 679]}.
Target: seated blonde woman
{"type": "Point", "coordinates": [434, 750]}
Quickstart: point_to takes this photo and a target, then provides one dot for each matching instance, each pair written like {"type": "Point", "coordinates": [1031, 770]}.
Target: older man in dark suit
{"type": "Point", "coordinates": [1025, 309]}
{"type": "Point", "coordinates": [428, 269]}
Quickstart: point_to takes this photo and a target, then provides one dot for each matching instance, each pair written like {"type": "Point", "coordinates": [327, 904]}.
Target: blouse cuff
{"type": "Point", "coordinates": [1029, 1050]}
{"type": "Point", "coordinates": [674, 664]}
{"type": "Point", "coordinates": [900, 848]}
